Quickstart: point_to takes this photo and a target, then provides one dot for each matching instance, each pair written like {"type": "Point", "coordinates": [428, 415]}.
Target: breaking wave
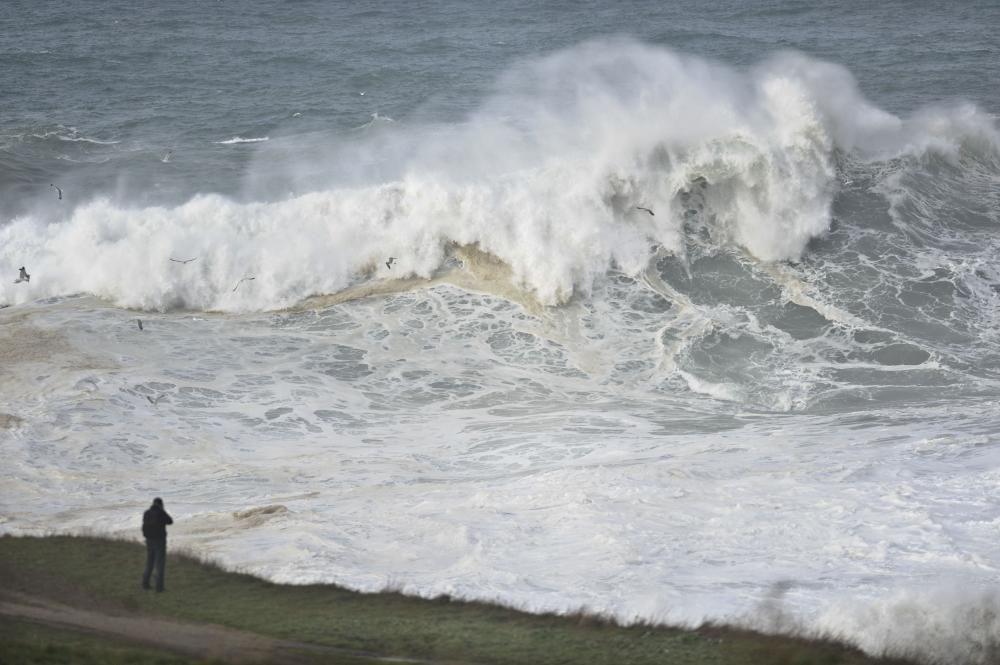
{"type": "Point", "coordinates": [548, 175]}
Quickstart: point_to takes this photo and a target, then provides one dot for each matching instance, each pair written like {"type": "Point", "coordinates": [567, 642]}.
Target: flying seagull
{"type": "Point", "coordinates": [388, 264]}
{"type": "Point", "coordinates": [166, 156]}
{"type": "Point", "coordinates": [156, 401]}
{"type": "Point", "coordinates": [57, 189]}
{"type": "Point", "coordinates": [139, 321]}
{"type": "Point", "coordinates": [183, 260]}
{"type": "Point", "coordinates": [647, 210]}
{"type": "Point", "coordinates": [245, 279]}
{"type": "Point", "coordinates": [22, 276]}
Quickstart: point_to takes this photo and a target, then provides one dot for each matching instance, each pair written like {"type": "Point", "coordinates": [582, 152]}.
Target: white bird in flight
{"type": "Point", "coordinates": [245, 279]}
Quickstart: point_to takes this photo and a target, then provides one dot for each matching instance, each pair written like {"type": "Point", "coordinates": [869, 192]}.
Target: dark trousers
{"type": "Point", "coordinates": [156, 555]}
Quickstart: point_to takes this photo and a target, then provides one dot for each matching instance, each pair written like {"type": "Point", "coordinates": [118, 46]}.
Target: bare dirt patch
{"type": "Point", "coordinates": [204, 641]}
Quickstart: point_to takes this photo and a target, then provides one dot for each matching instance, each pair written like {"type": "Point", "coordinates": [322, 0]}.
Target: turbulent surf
{"type": "Point", "coordinates": [663, 336]}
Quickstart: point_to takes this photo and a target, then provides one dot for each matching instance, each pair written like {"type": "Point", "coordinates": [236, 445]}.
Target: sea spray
{"type": "Point", "coordinates": [547, 175]}
{"type": "Point", "coordinates": [936, 625]}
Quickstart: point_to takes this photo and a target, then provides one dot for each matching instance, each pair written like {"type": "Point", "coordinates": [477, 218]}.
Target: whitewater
{"type": "Point", "coordinates": [664, 337]}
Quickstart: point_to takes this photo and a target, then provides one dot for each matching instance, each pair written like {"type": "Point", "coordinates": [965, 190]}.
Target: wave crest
{"type": "Point", "coordinates": [549, 175]}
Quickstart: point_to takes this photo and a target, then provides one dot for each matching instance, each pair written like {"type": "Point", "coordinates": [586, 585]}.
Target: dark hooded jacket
{"type": "Point", "coordinates": [155, 521]}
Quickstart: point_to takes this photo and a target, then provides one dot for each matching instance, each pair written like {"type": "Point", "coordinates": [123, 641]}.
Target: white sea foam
{"type": "Point", "coordinates": [545, 175]}
{"type": "Point", "coordinates": [84, 139]}
{"type": "Point", "coordinates": [447, 442]}
{"type": "Point", "coordinates": [376, 119]}
{"type": "Point", "coordinates": [940, 624]}
{"type": "Point", "coordinates": [674, 443]}
{"type": "Point", "coordinates": [62, 133]}
{"type": "Point", "coordinates": [240, 139]}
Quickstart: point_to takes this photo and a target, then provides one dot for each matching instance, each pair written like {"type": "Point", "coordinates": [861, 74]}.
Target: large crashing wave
{"type": "Point", "coordinates": [546, 175]}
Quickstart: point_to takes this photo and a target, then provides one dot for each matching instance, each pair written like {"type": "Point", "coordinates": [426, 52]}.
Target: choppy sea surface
{"type": "Point", "coordinates": [691, 312]}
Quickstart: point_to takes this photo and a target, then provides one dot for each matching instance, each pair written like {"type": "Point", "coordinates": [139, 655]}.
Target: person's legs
{"type": "Point", "coordinates": [150, 558]}
{"type": "Point", "coordinates": [161, 563]}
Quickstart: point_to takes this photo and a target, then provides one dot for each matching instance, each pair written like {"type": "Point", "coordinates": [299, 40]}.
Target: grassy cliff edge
{"type": "Point", "coordinates": [102, 575]}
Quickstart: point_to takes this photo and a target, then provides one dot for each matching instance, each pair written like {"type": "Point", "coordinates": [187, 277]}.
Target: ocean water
{"type": "Point", "coordinates": [772, 397]}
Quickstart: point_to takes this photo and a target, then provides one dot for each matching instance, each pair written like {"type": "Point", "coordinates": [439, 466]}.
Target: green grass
{"type": "Point", "coordinates": [24, 643]}
{"type": "Point", "coordinates": [96, 573]}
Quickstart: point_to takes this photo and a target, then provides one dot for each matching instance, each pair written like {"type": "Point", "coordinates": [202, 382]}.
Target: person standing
{"type": "Point", "coordinates": [154, 530]}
